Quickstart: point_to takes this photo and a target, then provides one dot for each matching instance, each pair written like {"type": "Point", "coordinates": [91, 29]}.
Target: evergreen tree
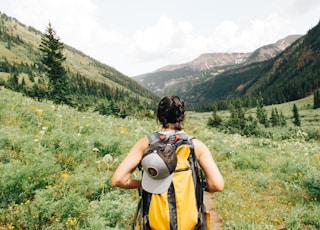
{"type": "Point", "coordinates": [262, 113]}
{"type": "Point", "coordinates": [215, 120]}
{"type": "Point", "coordinates": [282, 119]}
{"type": "Point", "coordinates": [237, 117]}
{"type": "Point", "coordinates": [296, 117]}
{"type": "Point", "coordinates": [316, 99]}
{"type": "Point", "coordinates": [13, 82]}
{"type": "Point", "coordinates": [274, 119]}
{"type": "Point", "coordinates": [53, 59]}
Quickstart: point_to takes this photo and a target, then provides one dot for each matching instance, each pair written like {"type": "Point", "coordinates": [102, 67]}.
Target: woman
{"type": "Point", "coordinates": [171, 114]}
{"type": "Point", "coordinates": [169, 199]}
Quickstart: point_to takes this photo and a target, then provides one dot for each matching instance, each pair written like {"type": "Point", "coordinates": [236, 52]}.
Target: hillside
{"type": "Point", "coordinates": [176, 79]}
{"type": "Point", "coordinates": [56, 166]}
{"type": "Point", "coordinates": [291, 75]}
{"type": "Point", "coordinates": [91, 80]}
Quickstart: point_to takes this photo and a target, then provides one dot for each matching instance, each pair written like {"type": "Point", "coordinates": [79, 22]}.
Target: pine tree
{"type": "Point", "coordinates": [13, 82]}
{"type": "Point", "coordinates": [296, 117]}
{"type": "Point", "coordinates": [215, 120]}
{"type": "Point", "coordinates": [274, 119]}
{"type": "Point", "coordinates": [237, 117]}
{"type": "Point", "coordinates": [316, 99]}
{"type": "Point", "coordinates": [261, 113]}
{"type": "Point", "coordinates": [53, 59]}
{"type": "Point", "coordinates": [282, 119]}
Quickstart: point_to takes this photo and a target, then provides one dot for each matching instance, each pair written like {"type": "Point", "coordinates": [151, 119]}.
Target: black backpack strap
{"type": "Point", "coordinates": [199, 181]}
{"type": "Point", "coordinates": [137, 215]}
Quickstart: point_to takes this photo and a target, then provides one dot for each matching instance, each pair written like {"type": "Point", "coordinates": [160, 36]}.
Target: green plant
{"type": "Point", "coordinates": [53, 177]}
{"type": "Point", "coordinates": [311, 182]}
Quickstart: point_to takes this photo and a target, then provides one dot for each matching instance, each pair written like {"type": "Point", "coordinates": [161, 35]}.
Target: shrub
{"type": "Point", "coordinates": [311, 182]}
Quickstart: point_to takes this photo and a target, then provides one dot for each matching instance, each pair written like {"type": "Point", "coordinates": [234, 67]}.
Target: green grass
{"type": "Point", "coordinates": [52, 177]}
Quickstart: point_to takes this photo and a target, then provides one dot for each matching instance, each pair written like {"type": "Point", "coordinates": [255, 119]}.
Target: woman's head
{"type": "Point", "coordinates": [171, 111]}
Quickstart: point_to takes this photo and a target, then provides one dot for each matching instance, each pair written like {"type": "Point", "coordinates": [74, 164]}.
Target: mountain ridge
{"type": "Point", "coordinates": [280, 72]}
{"type": "Point", "coordinates": [217, 63]}
{"type": "Point", "coordinates": [19, 46]}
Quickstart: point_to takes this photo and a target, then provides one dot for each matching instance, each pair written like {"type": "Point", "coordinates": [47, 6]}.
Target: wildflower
{"type": "Point", "coordinates": [276, 220]}
{"type": "Point", "coordinates": [71, 221]}
{"type": "Point", "coordinates": [107, 158]}
{"type": "Point", "coordinates": [64, 175]}
{"type": "Point", "coordinates": [96, 150]}
{"type": "Point", "coordinates": [122, 129]}
{"type": "Point", "coordinates": [10, 226]}
{"type": "Point", "coordinates": [39, 112]}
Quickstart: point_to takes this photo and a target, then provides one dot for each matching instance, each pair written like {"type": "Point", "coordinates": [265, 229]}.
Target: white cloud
{"type": "Point", "coordinates": [295, 8]}
{"type": "Point", "coordinates": [75, 23]}
{"type": "Point", "coordinates": [167, 42]}
{"type": "Point", "coordinates": [171, 39]}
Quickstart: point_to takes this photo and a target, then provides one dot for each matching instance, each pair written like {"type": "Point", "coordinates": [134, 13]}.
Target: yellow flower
{"type": "Point", "coordinates": [122, 129]}
{"type": "Point", "coordinates": [64, 175]}
{"type": "Point", "coordinates": [276, 220]}
{"type": "Point", "coordinates": [71, 221]}
{"type": "Point", "coordinates": [39, 112]}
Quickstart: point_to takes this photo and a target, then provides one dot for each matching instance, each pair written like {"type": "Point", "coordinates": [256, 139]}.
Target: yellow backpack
{"type": "Point", "coordinates": [181, 206]}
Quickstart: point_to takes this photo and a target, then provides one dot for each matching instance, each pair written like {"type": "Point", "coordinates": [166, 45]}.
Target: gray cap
{"type": "Point", "coordinates": [156, 177]}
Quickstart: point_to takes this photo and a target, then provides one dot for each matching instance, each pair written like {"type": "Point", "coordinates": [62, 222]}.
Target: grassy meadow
{"type": "Point", "coordinates": [56, 166]}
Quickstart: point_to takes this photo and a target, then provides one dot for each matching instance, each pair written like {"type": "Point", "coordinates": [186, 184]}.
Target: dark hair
{"type": "Point", "coordinates": [171, 110]}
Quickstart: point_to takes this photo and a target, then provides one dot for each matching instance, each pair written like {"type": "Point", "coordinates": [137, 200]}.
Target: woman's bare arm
{"type": "Point", "coordinates": [214, 178]}
{"type": "Point", "coordinates": [122, 176]}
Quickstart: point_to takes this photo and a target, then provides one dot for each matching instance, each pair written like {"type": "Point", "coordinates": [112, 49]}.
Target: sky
{"type": "Point", "coordinates": [140, 36]}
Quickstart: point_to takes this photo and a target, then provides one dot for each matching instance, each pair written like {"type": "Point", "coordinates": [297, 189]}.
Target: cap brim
{"type": "Point", "coordinates": [157, 186]}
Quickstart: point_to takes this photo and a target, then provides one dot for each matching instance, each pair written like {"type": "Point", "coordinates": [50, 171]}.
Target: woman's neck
{"type": "Point", "coordinates": [169, 127]}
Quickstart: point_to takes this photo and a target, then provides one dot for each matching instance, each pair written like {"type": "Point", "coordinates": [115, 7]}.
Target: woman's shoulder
{"type": "Point", "coordinates": [197, 142]}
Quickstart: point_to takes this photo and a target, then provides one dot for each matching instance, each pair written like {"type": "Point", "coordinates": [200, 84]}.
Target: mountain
{"type": "Point", "coordinates": [169, 79]}
{"type": "Point", "coordinates": [92, 82]}
{"type": "Point", "coordinates": [284, 71]}
{"type": "Point", "coordinates": [291, 75]}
